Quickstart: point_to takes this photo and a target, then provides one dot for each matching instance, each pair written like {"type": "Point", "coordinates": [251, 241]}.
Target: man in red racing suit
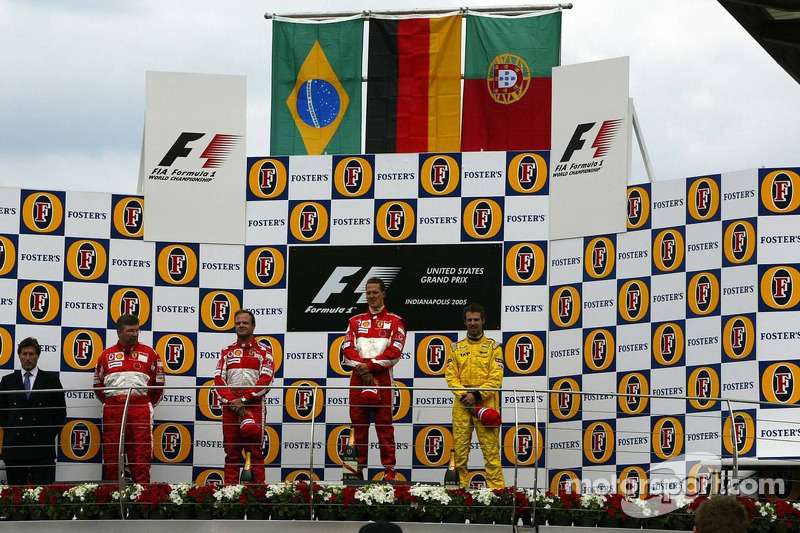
{"type": "Point", "coordinates": [372, 346]}
{"type": "Point", "coordinates": [128, 364]}
{"type": "Point", "coordinates": [245, 370]}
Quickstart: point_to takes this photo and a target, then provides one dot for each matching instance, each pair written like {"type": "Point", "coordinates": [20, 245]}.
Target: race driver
{"type": "Point", "coordinates": [244, 373]}
{"type": "Point", "coordinates": [372, 346]}
{"type": "Point", "coordinates": [133, 366]}
{"type": "Point", "coordinates": [475, 362]}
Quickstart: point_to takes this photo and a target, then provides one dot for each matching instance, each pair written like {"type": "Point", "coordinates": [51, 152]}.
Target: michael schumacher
{"type": "Point", "coordinates": [372, 346]}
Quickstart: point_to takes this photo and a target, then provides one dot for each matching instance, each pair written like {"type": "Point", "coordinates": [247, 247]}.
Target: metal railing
{"type": "Point", "coordinates": [538, 412]}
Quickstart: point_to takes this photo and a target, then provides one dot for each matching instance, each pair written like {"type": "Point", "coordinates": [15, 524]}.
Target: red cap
{"type": "Point", "coordinates": [369, 397]}
{"type": "Point", "coordinates": [249, 429]}
{"type": "Point", "coordinates": [488, 417]}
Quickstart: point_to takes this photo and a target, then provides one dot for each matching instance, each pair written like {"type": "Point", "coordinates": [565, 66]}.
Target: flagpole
{"type": "Point", "coordinates": [366, 14]}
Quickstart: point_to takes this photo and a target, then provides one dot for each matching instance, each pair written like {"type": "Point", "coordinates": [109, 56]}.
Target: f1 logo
{"type": "Point", "coordinates": [215, 153]}
{"type": "Point", "coordinates": [602, 143]}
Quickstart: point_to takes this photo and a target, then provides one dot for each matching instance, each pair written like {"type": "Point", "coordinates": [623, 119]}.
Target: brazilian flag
{"type": "Point", "coordinates": [316, 87]}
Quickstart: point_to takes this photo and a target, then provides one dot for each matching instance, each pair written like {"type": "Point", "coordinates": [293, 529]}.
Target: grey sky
{"type": "Point", "coordinates": [709, 98]}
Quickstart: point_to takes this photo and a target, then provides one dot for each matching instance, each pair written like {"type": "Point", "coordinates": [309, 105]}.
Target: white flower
{"type": "Point", "coordinates": [430, 494]}
{"type": "Point", "coordinates": [78, 493]}
{"type": "Point", "coordinates": [375, 494]}
{"type": "Point", "coordinates": [592, 501]}
{"type": "Point", "coordinates": [178, 491]}
{"type": "Point", "coordinates": [484, 495]}
{"type": "Point", "coordinates": [278, 489]}
{"type": "Point", "coordinates": [134, 491]}
{"type": "Point", "coordinates": [229, 493]}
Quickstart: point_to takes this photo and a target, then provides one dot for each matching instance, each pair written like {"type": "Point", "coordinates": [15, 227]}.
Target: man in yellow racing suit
{"type": "Point", "coordinates": [475, 362]}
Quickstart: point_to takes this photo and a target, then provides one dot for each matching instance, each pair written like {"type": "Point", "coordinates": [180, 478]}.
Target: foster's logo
{"type": "Point", "coordinates": [432, 446]}
{"type": "Point", "coordinates": [80, 440]}
{"type": "Point", "coordinates": [267, 178]}
{"type": "Point", "coordinates": [395, 220]}
{"type": "Point", "coordinates": [128, 217]}
{"type": "Point", "coordinates": [309, 221]}
{"type": "Point", "coordinates": [353, 176]}
{"type": "Point", "coordinates": [439, 175]}
{"type": "Point", "coordinates": [527, 173]}
{"type": "Point", "coordinates": [525, 263]}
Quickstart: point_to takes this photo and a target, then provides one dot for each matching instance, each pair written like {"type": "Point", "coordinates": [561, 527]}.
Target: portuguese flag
{"type": "Point", "coordinates": [316, 87]}
{"type": "Point", "coordinates": [414, 84]}
{"type": "Point", "coordinates": [507, 81]}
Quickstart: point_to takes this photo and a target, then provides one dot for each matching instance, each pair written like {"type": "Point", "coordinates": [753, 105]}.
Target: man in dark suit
{"type": "Point", "coordinates": [31, 420]}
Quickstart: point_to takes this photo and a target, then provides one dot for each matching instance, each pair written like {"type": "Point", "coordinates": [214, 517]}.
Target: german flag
{"type": "Point", "coordinates": [414, 85]}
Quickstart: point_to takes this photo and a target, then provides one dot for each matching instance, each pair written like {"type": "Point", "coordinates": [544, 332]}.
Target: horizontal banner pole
{"type": "Point", "coordinates": [367, 14]}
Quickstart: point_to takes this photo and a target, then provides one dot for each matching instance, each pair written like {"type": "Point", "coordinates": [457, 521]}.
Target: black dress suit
{"type": "Point", "coordinates": [30, 426]}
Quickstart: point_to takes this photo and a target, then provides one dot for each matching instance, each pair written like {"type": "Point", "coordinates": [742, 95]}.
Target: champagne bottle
{"type": "Point", "coordinates": [247, 472]}
{"type": "Point", "coordinates": [350, 459]}
{"type": "Point", "coordinates": [451, 478]}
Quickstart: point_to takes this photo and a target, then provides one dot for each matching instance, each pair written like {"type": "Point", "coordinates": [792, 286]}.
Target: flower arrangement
{"type": "Point", "coordinates": [416, 502]}
{"type": "Point", "coordinates": [431, 501]}
{"type": "Point", "coordinates": [328, 501]}
{"type": "Point", "coordinates": [151, 500]}
{"type": "Point", "coordinates": [202, 500]}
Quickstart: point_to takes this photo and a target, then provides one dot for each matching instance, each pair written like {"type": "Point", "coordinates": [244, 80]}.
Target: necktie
{"type": "Point", "coordinates": [27, 384]}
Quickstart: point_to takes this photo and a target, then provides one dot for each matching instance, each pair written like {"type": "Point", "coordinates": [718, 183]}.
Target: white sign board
{"type": "Point", "coordinates": [590, 149]}
{"type": "Point", "coordinates": [193, 160]}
